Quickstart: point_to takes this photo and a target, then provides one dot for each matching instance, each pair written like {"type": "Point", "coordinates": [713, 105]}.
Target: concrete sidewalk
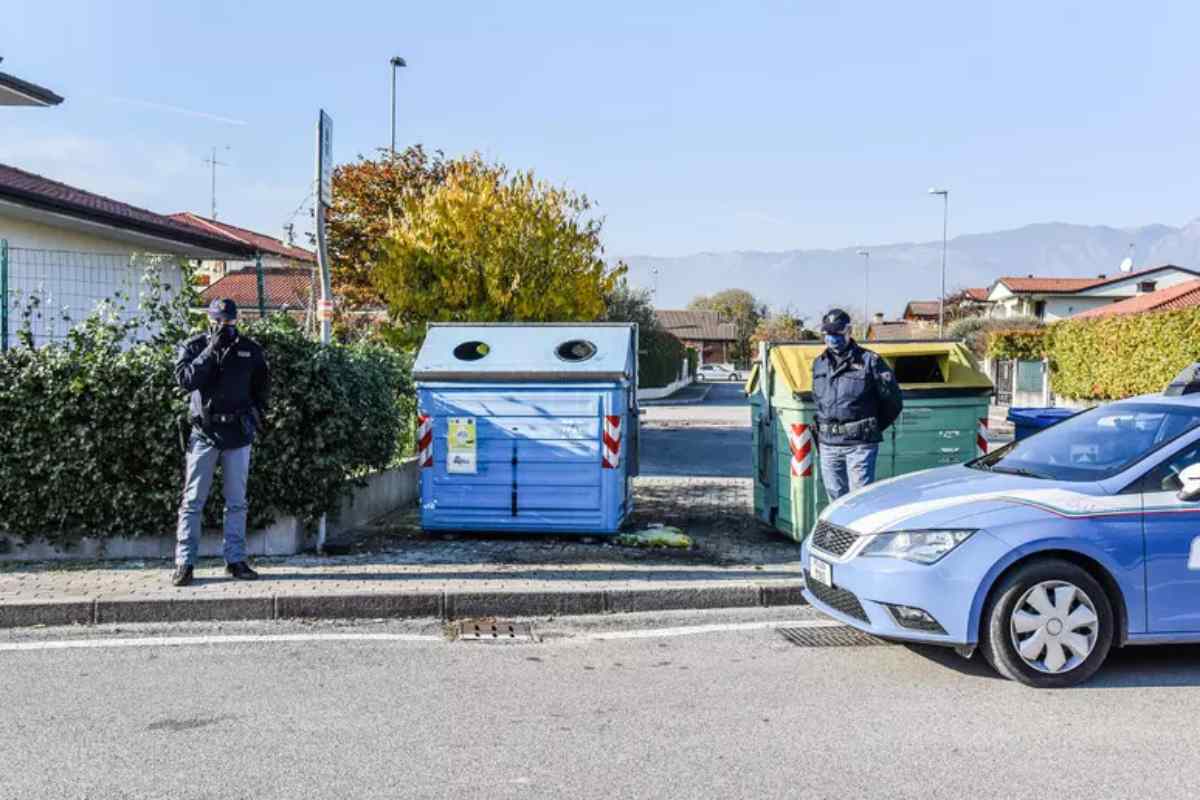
{"type": "Point", "coordinates": [394, 570]}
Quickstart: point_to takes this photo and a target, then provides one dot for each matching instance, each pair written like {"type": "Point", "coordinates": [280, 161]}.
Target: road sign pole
{"type": "Point", "coordinates": [324, 199]}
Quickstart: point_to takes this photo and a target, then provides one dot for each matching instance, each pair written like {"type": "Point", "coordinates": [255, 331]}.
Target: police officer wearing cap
{"type": "Point", "coordinates": [229, 383]}
{"type": "Point", "coordinates": [857, 399]}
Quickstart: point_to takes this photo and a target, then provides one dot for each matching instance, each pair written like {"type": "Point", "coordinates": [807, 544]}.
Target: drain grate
{"type": "Point", "coordinates": [830, 636]}
{"type": "Point", "coordinates": [492, 630]}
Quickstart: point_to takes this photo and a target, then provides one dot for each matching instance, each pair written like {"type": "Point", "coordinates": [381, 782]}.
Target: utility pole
{"type": "Point", "coordinates": [396, 63]}
{"type": "Point", "coordinates": [866, 254]}
{"type": "Point", "coordinates": [212, 162]}
{"type": "Point", "coordinates": [945, 195]}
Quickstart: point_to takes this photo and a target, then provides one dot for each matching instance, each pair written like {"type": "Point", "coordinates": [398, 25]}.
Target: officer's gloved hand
{"type": "Point", "coordinates": [222, 338]}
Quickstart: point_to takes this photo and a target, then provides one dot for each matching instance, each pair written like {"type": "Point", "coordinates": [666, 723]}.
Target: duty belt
{"type": "Point", "coordinates": [847, 428]}
{"type": "Point", "coordinates": [225, 419]}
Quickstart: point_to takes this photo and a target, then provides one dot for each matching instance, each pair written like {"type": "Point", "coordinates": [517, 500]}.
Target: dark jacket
{"type": "Point", "coordinates": [230, 388]}
{"type": "Point", "coordinates": [857, 388]}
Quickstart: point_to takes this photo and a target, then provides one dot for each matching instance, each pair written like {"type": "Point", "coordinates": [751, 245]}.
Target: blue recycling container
{"type": "Point", "coordinates": [1027, 421]}
{"type": "Point", "coordinates": [527, 428]}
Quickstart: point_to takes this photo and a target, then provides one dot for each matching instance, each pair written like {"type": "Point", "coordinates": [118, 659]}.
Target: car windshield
{"type": "Point", "coordinates": [1094, 444]}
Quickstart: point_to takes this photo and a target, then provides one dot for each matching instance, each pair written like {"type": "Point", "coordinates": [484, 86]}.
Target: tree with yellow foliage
{"type": "Point", "coordinates": [487, 245]}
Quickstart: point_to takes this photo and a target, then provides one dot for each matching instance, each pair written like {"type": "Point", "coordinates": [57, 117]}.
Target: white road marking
{"type": "Point", "coordinates": [691, 630]}
{"type": "Point", "coordinates": [301, 638]}
{"type": "Point", "coordinates": [185, 641]}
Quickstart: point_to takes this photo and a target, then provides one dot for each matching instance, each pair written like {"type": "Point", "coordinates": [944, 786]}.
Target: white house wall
{"type": "Point", "coordinates": [1129, 287]}
{"type": "Point", "coordinates": [70, 273]}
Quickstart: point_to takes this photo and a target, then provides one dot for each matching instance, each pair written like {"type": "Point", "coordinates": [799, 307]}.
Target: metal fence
{"type": "Point", "coordinates": [48, 291]}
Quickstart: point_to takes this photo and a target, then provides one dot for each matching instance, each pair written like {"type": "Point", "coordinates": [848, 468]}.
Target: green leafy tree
{"type": "Point", "coordinates": [739, 307]}
{"type": "Point", "coordinates": [368, 198]}
{"type": "Point", "coordinates": [490, 245]}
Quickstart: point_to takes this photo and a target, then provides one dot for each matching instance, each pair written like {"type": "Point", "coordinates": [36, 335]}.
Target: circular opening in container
{"type": "Point", "coordinates": [576, 350]}
{"type": "Point", "coordinates": [471, 351]}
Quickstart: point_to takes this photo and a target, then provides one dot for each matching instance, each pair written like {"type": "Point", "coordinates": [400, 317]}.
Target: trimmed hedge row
{"type": "Point", "coordinates": [1114, 357]}
{"type": "Point", "coordinates": [660, 359]}
{"type": "Point", "coordinates": [1022, 344]}
{"type": "Point", "coordinates": [91, 441]}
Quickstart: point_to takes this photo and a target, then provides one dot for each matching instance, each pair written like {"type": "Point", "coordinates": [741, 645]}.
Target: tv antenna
{"type": "Point", "coordinates": [212, 161]}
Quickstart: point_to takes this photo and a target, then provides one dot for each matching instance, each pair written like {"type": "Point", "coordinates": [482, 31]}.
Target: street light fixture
{"type": "Point", "coordinates": [945, 194]}
{"type": "Point", "coordinates": [866, 254]}
{"type": "Point", "coordinates": [396, 63]}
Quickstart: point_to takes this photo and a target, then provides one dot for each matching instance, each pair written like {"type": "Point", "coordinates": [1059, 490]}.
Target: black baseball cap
{"type": "Point", "coordinates": [836, 321]}
{"type": "Point", "coordinates": [223, 308]}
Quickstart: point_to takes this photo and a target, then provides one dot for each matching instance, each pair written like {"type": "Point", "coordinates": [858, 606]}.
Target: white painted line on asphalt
{"type": "Point", "coordinates": [186, 641]}
{"type": "Point", "coordinates": [691, 630]}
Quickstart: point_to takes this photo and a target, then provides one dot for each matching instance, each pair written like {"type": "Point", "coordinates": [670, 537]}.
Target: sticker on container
{"type": "Point", "coordinates": [460, 452]}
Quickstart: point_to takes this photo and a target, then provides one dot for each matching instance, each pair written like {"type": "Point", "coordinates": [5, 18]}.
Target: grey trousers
{"type": "Point", "coordinates": [202, 458]}
{"type": "Point", "coordinates": [847, 467]}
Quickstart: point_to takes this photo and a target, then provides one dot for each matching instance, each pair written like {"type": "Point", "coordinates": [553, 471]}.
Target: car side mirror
{"type": "Point", "coordinates": [1190, 478]}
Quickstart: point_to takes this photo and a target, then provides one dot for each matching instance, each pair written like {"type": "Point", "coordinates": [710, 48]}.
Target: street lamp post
{"type": "Point", "coordinates": [866, 254]}
{"type": "Point", "coordinates": [945, 194]}
{"type": "Point", "coordinates": [396, 63]}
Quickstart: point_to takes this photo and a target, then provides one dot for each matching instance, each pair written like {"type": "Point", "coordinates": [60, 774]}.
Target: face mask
{"type": "Point", "coordinates": [836, 342]}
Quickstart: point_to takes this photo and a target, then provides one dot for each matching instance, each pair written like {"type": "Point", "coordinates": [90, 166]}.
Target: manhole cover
{"type": "Point", "coordinates": [491, 630]}
{"type": "Point", "coordinates": [830, 636]}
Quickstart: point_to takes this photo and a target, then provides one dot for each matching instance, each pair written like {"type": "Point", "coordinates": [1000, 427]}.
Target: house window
{"type": "Point", "coordinates": [1145, 287]}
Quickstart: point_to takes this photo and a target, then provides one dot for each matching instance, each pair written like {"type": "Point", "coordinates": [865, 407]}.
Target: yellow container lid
{"type": "Point", "coordinates": [917, 365]}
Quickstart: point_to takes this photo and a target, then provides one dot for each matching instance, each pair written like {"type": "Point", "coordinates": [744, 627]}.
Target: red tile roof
{"type": "Point", "coordinates": [979, 294]}
{"type": "Point", "coordinates": [288, 286]}
{"type": "Point", "coordinates": [898, 330]}
{"type": "Point", "coordinates": [260, 241]}
{"type": "Point", "coordinates": [1183, 295]}
{"type": "Point", "coordinates": [697, 325]}
{"type": "Point", "coordinates": [921, 308]}
{"type": "Point", "coordinates": [1032, 285]}
{"type": "Point", "coordinates": [35, 191]}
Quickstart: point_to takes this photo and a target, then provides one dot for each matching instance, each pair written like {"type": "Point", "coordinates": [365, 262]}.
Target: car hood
{"type": "Point", "coordinates": [953, 495]}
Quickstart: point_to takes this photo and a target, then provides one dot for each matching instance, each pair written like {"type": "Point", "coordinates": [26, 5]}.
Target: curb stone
{"type": "Point", "coordinates": [453, 604]}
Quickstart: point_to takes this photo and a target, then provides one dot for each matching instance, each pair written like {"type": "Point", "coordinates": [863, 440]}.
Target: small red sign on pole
{"type": "Point", "coordinates": [324, 309]}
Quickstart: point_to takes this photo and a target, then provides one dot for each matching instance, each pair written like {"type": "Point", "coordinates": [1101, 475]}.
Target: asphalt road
{"type": "Point", "coordinates": [709, 439]}
{"type": "Point", "coordinates": [738, 713]}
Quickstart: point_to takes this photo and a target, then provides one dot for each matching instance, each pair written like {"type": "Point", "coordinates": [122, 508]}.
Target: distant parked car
{"type": "Point", "coordinates": [717, 372]}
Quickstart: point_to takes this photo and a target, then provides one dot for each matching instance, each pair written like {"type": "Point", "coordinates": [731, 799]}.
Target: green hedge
{"type": "Point", "coordinates": [91, 443]}
{"type": "Point", "coordinates": [1114, 357]}
{"type": "Point", "coordinates": [660, 358]}
{"type": "Point", "coordinates": [1019, 344]}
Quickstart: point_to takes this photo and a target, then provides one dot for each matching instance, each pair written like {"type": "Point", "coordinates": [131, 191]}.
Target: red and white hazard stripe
{"type": "Point", "coordinates": [425, 440]}
{"type": "Point", "coordinates": [981, 440]}
{"type": "Point", "coordinates": [611, 442]}
{"type": "Point", "coordinates": [801, 442]}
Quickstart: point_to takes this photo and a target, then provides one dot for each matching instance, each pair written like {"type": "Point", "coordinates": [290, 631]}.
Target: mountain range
{"type": "Point", "coordinates": [807, 282]}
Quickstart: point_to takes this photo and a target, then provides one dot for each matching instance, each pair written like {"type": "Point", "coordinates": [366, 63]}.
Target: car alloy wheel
{"type": "Point", "coordinates": [1054, 627]}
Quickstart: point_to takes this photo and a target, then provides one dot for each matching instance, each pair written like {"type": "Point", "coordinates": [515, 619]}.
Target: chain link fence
{"type": "Point", "coordinates": [46, 292]}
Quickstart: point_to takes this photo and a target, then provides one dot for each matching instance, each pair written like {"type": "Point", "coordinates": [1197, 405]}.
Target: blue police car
{"type": "Point", "coordinates": [1043, 554]}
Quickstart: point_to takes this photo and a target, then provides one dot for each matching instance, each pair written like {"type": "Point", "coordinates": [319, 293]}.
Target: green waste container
{"type": "Point", "coordinates": [946, 397]}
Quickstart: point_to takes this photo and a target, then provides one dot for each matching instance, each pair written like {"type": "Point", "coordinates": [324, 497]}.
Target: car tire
{"type": "Point", "coordinates": [699, 378]}
{"type": "Point", "coordinates": [1053, 600]}
{"type": "Point", "coordinates": [734, 378]}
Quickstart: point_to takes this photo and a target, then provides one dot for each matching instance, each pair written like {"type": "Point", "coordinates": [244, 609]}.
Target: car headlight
{"type": "Point", "coordinates": [923, 547]}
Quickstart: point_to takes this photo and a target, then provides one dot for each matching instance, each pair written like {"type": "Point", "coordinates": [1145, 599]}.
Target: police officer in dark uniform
{"type": "Point", "coordinates": [229, 383]}
{"type": "Point", "coordinates": [857, 398]}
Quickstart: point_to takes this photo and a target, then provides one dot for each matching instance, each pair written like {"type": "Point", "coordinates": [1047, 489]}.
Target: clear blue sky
{"type": "Point", "coordinates": [734, 125]}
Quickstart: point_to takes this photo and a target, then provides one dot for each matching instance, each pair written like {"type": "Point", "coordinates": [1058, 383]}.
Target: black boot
{"type": "Point", "coordinates": [182, 576]}
{"type": "Point", "coordinates": [241, 571]}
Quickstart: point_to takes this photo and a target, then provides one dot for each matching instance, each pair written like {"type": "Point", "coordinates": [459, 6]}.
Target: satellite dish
{"type": "Point", "coordinates": [1127, 264]}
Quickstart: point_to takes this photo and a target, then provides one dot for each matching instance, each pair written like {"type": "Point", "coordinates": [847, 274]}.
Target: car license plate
{"type": "Point", "coordinates": [821, 572]}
